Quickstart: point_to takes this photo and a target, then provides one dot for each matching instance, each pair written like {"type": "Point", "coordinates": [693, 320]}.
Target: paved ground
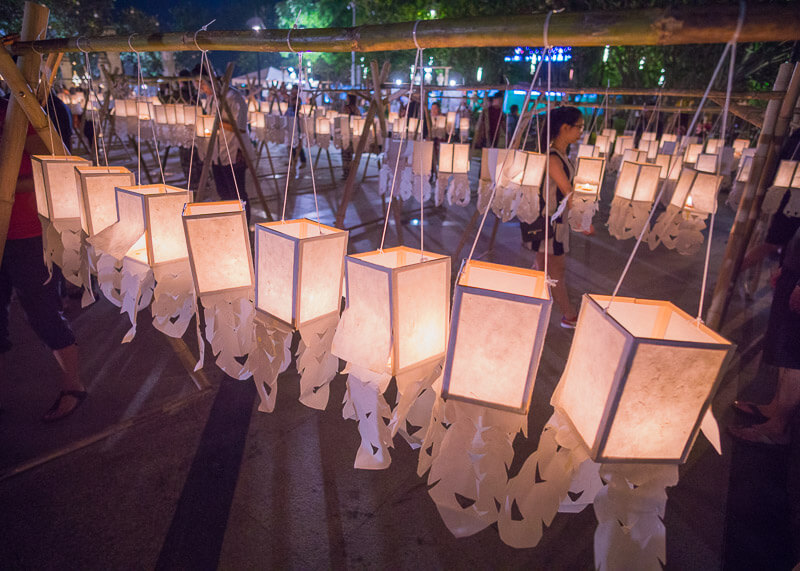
{"type": "Point", "coordinates": [159, 470]}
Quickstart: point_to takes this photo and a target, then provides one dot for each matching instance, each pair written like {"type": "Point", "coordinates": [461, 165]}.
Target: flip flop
{"type": "Point", "coordinates": [750, 409]}
{"type": "Point", "coordinates": [755, 435]}
{"type": "Point", "coordinates": [79, 397]}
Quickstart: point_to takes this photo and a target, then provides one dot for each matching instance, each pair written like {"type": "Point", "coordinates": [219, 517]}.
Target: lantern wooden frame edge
{"type": "Point", "coordinates": [536, 351]}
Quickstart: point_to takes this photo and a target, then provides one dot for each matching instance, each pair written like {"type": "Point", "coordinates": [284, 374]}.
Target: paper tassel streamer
{"type": "Point", "coordinates": [412, 414]}
{"type": "Point", "coordinates": [582, 212]}
{"type": "Point", "coordinates": [173, 298]}
{"type": "Point", "coordinates": [551, 477]}
{"type": "Point", "coordinates": [109, 277]}
{"type": "Point", "coordinates": [678, 231]}
{"type": "Point", "coordinates": [792, 208]}
{"type": "Point", "coordinates": [230, 330]}
{"type": "Point", "coordinates": [64, 244]}
{"type": "Point", "coordinates": [458, 190]}
{"type": "Point", "coordinates": [136, 291]}
{"type": "Point", "coordinates": [630, 510]}
{"type": "Point", "coordinates": [468, 474]}
{"type": "Point", "coordinates": [364, 403]}
{"type": "Point", "coordinates": [315, 362]}
{"type": "Point", "coordinates": [627, 218]}
{"type": "Point", "coordinates": [269, 357]}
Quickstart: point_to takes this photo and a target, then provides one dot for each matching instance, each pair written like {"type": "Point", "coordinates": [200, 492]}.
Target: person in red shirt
{"type": "Point", "coordinates": [22, 270]}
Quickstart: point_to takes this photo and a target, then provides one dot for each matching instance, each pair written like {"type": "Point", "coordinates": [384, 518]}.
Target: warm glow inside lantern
{"type": "Point", "coordinates": [397, 298]}
{"type": "Point", "coordinates": [299, 269]}
{"type": "Point", "coordinates": [670, 165]}
{"type": "Point", "coordinates": [500, 316]}
{"type": "Point", "coordinates": [57, 193]}
{"type": "Point", "coordinates": [219, 246]}
{"type": "Point", "coordinates": [463, 125]}
{"type": "Point", "coordinates": [453, 158]}
{"type": "Point", "coordinates": [713, 146]}
{"type": "Point", "coordinates": [706, 163]}
{"type": "Point", "coordinates": [120, 108]}
{"type": "Point", "coordinates": [585, 150]}
{"type": "Point", "coordinates": [323, 126]}
{"type": "Point", "coordinates": [622, 144]}
{"type": "Point", "coordinates": [602, 145]}
{"type": "Point", "coordinates": [745, 166]}
{"type": "Point", "coordinates": [97, 192]}
{"type": "Point", "coordinates": [639, 378]}
{"type": "Point", "coordinates": [589, 176]}
{"type": "Point", "coordinates": [696, 191]}
{"type": "Point", "coordinates": [638, 181]}
{"type": "Point", "coordinates": [788, 175]}
{"type": "Point", "coordinates": [740, 145]}
{"type": "Point", "coordinates": [634, 156]}
{"type": "Point", "coordinates": [203, 125]}
{"type": "Point", "coordinates": [160, 206]}
{"type": "Point", "coordinates": [693, 150]}
{"type": "Point", "coordinates": [158, 113]}
{"type": "Point", "coordinates": [611, 134]}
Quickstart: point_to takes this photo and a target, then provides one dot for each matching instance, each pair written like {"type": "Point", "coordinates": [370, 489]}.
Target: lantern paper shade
{"type": "Point", "coordinates": [634, 156]}
{"type": "Point", "coordinates": [670, 166]}
{"type": "Point", "coordinates": [398, 301]}
{"type": "Point", "coordinates": [622, 144]}
{"type": "Point", "coordinates": [602, 145]}
{"type": "Point", "coordinates": [98, 195]}
{"type": "Point", "coordinates": [500, 316]}
{"type": "Point", "coordinates": [713, 146]}
{"type": "Point", "coordinates": [697, 191]}
{"type": "Point", "coordinates": [323, 126]}
{"type": "Point", "coordinates": [639, 379]}
{"type": "Point", "coordinates": [788, 175]}
{"type": "Point", "coordinates": [638, 181]}
{"type": "Point", "coordinates": [611, 134]}
{"type": "Point", "coordinates": [57, 193]}
{"type": "Point", "coordinates": [589, 175]}
{"type": "Point", "coordinates": [160, 206]}
{"type": "Point", "coordinates": [706, 163]}
{"type": "Point", "coordinates": [740, 145]}
{"type": "Point", "coordinates": [585, 150]}
{"type": "Point", "coordinates": [693, 150]}
{"type": "Point", "coordinates": [454, 157]}
{"type": "Point", "coordinates": [219, 246]}
{"type": "Point", "coordinates": [203, 125]}
{"type": "Point", "coordinates": [463, 125]}
{"type": "Point", "coordinates": [299, 269]}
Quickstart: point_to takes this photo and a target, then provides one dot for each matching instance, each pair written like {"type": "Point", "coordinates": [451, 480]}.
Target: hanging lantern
{"type": "Point", "coordinates": [219, 247]}
{"type": "Point", "coordinates": [671, 166]}
{"type": "Point", "coordinates": [634, 156]}
{"type": "Point", "coordinates": [518, 178]}
{"type": "Point", "coordinates": [120, 108]}
{"type": "Point", "coordinates": [397, 309]}
{"type": "Point", "coordinates": [393, 116]}
{"type": "Point", "coordinates": [585, 150]}
{"type": "Point", "coordinates": [463, 129]}
{"type": "Point", "coordinates": [706, 163]}
{"type": "Point", "coordinates": [693, 150]}
{"type": "Point", "coordinates": [190, 114]}
{"type": "Point", "coordinates": [637, 184]}
{"type": "Point", "coordinates": [500, 317]}
{"type": "Point", "coordinates": [453, 174]}
{"type": "Point", "coordinates": [451, 121]}
{"type": "Point", "coordinates": [57, 193]}
{"type": "Point", "coordinates": [680, 226]}
{"type": "Point", "coordinates": [585, 199]}
{"type": "Point", "coordinates": [740, 145]}
{"type": "Point", "coordinates": [415, 181]}
{"type": "Point", "coordinates": [621, 144]}
{"type": "Point", "coordinates": [305, 109]}
{"type": "Point", "coordinates": [611, 134]}
{"type": "Point", "coordinates": [439, 130]}
{"type": "Point", "coordinates": [283, 107]}
{"type": "Point", "coordinates": [649, 147]}
{"type": "Point", "coordinates": [714, 146]}
{"type": "Point", "coordinates": [668, 144]}
{"type": "Point", "coordinates": [158, 113]}
{"type": "Point", "coordinates": [299, 269]}
{"type": "Point", "coordinates": [602, 146]}
{"type": "Point", "coordinates": [491, 159]}
{"type": "Point", "coordinates": [639, 379]}
{"type": "Point", "coordinates": [158, 207]}
{"type": "Point", "coordinates": [742, 176]}
{"type": "Point", "coordinates": [787, 179]}
{"type": "Point", "coordinates": [648, 136]}
{"type": "Point", "coordinates": [204, 125]}
{"type": "Point", "coordinates": [98, 194]}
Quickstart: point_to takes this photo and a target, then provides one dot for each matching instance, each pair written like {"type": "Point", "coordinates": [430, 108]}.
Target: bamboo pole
{"type": "Point", "coordinates": [776, 120]}
{"type": "Point", "coordinates": [15, 127]}
{"type": "Point", "coordinates": [712, 24]}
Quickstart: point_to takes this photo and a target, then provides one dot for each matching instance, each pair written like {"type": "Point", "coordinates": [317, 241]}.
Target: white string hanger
{"type": "Point", "coordinates": [403, 132]}
{"type": "Point", "coordinates": [296, 113]}
{"type": "Point", "coordinates": [423, 115]}
{"type": "Point", "coordinates": [680, 150]}
{"type": "Point", "coordinates": [545, 53]}
{"type": "Point", "coordinates": [152, 119]}
{"type": "Point", "coordinates": [197, 100]}
{"type": "Point", "coordinates": [46, 95]}
{"type": "Point", "coordinates": [304, 131]}
{"type": "Point", "coordinates": [95, 117]}
{"type": "Point", "coordinates": [725, 108]}
{"type": "Point", "coordinates": [138, 118]}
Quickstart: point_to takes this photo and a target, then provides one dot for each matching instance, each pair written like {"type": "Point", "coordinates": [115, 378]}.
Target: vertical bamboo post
{"type": "Point", "coordinates": [776, 120]}
{"type": "Point", "coordinates": [15, 128]}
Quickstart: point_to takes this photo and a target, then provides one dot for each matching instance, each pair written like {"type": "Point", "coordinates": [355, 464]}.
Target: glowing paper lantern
{"type": "Point", "coordinates": [491, 159]}
{"type": "Point", "coordinates": [299, 269]}
{"type": "Point", "coordinates": [639, 378]}
{"type": "Point", "coordinates": [463, 129]}
{"type": "Point", "coordinates": [634, 156]}
{"type": "Point", "coordinates": [397, 307]}
{"type": "Point", "coordinates": [219, 246]}
{"type": "Point", "coordinates": [670, 166]}
{"type": "Point", "coordinates": [519, 178]}
{"type": "Point", "coordinates": [159, 207]}
{"type": "Point", "coordinates": [787, 179]}
{"type": "Point", "coordinates": [668, 144]}
{"type": "Point", "coordinates": [120, 108]}
{"type": "Point", "coordinates": [714, 146]}
{"type": "Point", "coordinates": [648, 136]}
{"type": "Point", "coordinates": [203, 125]}
{"type": "Point", "coordinates": [693, 150]}
{"type": "Point", "coordinates": [611, 134]}
{"type": "Point", "coordinates": [500, 316]}
{"type": "Point", "coordinates": [622, 144]}
{"type": "Point", "coordinates": [602, 145]}
{"type": "Point", "coordinates": [57, 193]}
{"type": "Point", "coordinates": [323, 126]}
{"type": "Point", "coordinates": [637, 184]}
{"type": "Point", "coordinates": [453, 158]}
{"type": "Point", "coordinates": [740, 145]}
{"type": "Point", "coordinates": [98, 195]}
{"type": "Point", "coordinates": [439, 130]}
{"type": "Point", "coordinates": [706, 163]}
{"type": "Point", "coordinates": [453, 174]}
{"type": "Point", "coordinates": [588, 180]}
{"type": "Point", "coordinates": [159, 114]}
{"type": "Point", "coordinates": [451, 121]}
{"type": "Point", "coordinates": [585, 150]}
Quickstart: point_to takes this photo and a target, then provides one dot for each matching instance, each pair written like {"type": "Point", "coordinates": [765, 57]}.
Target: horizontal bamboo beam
{"type": "Point", "coordinates": [711, 24]}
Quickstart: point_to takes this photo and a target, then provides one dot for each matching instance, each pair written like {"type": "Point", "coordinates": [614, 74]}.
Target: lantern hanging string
{"type": "Point", "coordinates": [605, 111]}
{"type": "Point", "coordinates": [296, 113]}
{"type": "Point", "coordinates": [680, 150]}
{"type": "Point", "coordinates": [213, 81]}
{"type": "Point", "coordinates": [138, 120]}
{"type": "Point", "coordinates": [197, 101]}
{"type": "Point", "coordinates": [152, 118]}
{"type": "Point", "coordinates": [723, 132]}
{"type": "Point", "coordinates": [95, 118]}
{"type": "Point", "coordinates": [547, 160]}
{"type": "Point", "coordinates": [423, 115]}
{"type": "Point", "coordinates": [403, 132]}
{"type": "Point", "coordinates": [308, 143]}
{"type": "Point", "coordinates": [654, 114]}
{"type": "Point", "coordinates": [47, 96]}
{"type": "Point", "coordinates": [545, 53]}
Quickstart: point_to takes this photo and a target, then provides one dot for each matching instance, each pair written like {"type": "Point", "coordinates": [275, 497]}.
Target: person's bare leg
{"type": "Point", "coordinates": [70, 379]}
{"type": "Point", "coordinates": [782, 409]}
{"type": "Point", "coordinates": [556, 267]}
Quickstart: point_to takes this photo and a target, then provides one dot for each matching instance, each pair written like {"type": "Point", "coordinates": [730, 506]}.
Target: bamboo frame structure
{"type": "Point", "coordinates": [711, 24]}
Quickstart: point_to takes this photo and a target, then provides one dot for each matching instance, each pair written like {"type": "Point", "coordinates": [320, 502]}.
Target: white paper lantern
{"type": "Point", "coordinates": [500, 316]}
{"type": "Point", "coordinates": [323, 126]}
{"type": "Point", "coordinates": [622, 144]}
{"type": "Point", "coordinates": [98, 195]}
{"type": "Point", "coordinates": [639, 378]}
{"type": "Point", "coordinates": [158, 113]}
{"type": "Point", "coordinates": [788, 175]}
{"type": "Point", "coordinates": [696, 192]}
{"type": "Point", "coordinates": [670, 166]}
{"type": "Point", "coordinates": [638, 182]}
{"type": "Point", "coordinates": [299, 270]}
{"type": "Point", "coordinates": [713, 146]}
{"type": "Point", "coordinates": [585, 150]}
{"type": "Point", "coordinates": [203, 125]}
{"type": "Point", "coordinates": [740, 145]}
{"type": "Point", "coordinates": [160, 207]}
{"type": "Point", "coordinates": [589, 176]}
{"type": "Point", "coordinates": [451, 121]}
{"type": "Point", "coordinates": [398, 303]}
{"type": "Point", "coordinates": [648, 136]}
{"type": "Point", "coordinates": [120, 108]}
{"type": "Point", "coordinates": [57, 192]}
{"type": "Point", "coordinates": [611, 134]}
{"type": "Point", "coordinates": [219, 246]}
{"type": "Point", "coordinates": [190, 114]}
{"type": "Point", "coordinates": [602, 146]}
{"type": "Point", "coordinates": [693, 150]}
{"type": "Point", "coordinates": [706, 163]}
{"type": "Point", "coordinates": [634, 156]}
{"type": "Point", "coordinates": [745, 166]}
{"type": "Point", "coordinates": [453, 158]}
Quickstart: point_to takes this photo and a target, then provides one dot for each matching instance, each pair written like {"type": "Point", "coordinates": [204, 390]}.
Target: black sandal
{"type": "Point", "coordinates": [79, 397]}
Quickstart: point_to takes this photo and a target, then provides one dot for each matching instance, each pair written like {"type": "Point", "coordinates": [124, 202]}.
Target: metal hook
{"type": "Point", "coordinates": [131, 45]}
{"type": "Point", "coordinates": [202, 29]}
{"type": "Point", "coordinates": [78, 44]}
{"type": "Point", "coordinates": [414, 35]}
